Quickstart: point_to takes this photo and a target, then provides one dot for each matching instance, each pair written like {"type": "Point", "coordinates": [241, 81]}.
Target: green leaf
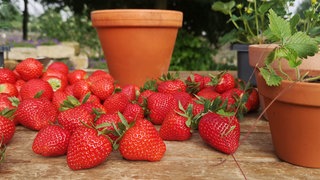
{"type": "Point", "coordinates": [302, 44]}
{"type": "Point", "coordinates": [279, 27]}
{"type": "Point", "coordinates": [294, 20]}
{"type": "Point", "coordinates": [225, 8]}
{"type": "Point", "coordinates": [271, 78]}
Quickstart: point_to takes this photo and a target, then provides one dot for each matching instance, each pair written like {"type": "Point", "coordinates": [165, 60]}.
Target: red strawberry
{"type": "Point", "coordinates": [232, 96]}
{"type": "Point", "coordinates": [116, 102]}
{"type": "Point", "coordinates": [36, 114]}
{"type": "Point", "coordinates": [58, 98]}
{"type": "Point", "coordinates": [69, 89]}
{"type": "Point", "coordinates": [133, 112]}
{"type": "Point", "coordinates": [131, 91]}
{"type": "Point", "coordinates": [55, 73]}
{"type": "Point", "coordinates": [92, 98]}
{"type": "Point", "coordinates": [252, 103]}
{"type": "Point", "coordinates": [208, 93]}
{"type": "Point", "coordinates": [55, 82]}
{"type": "Point", "coordinates": [183, 97]}
{"type": "Point", "coordinates": [194, 83]}
{"type": "Point", "coordinates": [108, 118]}
{"type": "Point", "coordinates": [102, 88]}
{"type": "Point", "coordinates": [170, 83]}
{"type": "Point", "coordinates": [75, 117]}
{"type": "Point", "coordinates": [142, 142]}
{"type": "Point", "coordinates": [52, 140]}
{"type": "Point", "coordinates": [8, 88]}
{"type": "Point", "coordinates": [59, 66]}
{"type": "Point", "coordinates": [8, 102]}
{"type": "Point", "coordinates": [7, 130]}
{"type": "Point", "coordinates": [94, 108]}
{"type": "Point", "coordinates": [159, 105]}
{"type": "Point", "coordinates": [7, 76]}
{"type": "Point", "coordinates": [174, 126]}
{"type": "Point", "coordinates": [225, 82]}
{"type": "Point", "coordinates": [81, 88]}
{"type": "Point", "coordinates": [142, 98]}
{"type": "Point", "coordinates": [221, 133]}
{"type": "Point", "coordinates": [34, 86]}
{"type": "Point", "coordinates": [29, 68]}
{"type": "Point", "coordinates": [197, 107]}
{"type": "Point", "coordinates": [19, 84]}
{"type": "Point", "coordinates": [100, 74]}
{"type": "Point", "coordinates": [87, 149]}
{"type": "Point", "coordinates": [77, 75]}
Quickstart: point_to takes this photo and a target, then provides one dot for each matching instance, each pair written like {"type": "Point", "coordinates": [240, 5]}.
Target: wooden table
{"type": "Point", "coordinates": [192, 159]}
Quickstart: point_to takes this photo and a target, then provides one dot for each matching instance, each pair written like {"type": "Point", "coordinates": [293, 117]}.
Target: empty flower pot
{"type": "Point", "coordinates": [137, 43]}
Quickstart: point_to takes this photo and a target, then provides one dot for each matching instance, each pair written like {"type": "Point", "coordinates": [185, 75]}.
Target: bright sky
{"type": "Point", "coordinates": [35, 8]}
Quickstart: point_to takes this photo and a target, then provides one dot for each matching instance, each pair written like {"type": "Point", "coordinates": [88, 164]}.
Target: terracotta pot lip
{"type": "Point", "coordinates": [136, 17]}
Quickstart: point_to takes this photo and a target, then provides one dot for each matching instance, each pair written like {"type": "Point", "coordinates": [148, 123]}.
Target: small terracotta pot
{"type": "Point", "coordinates": [137, 43]}
{"type": "Point", "coordinates": [294, 120]}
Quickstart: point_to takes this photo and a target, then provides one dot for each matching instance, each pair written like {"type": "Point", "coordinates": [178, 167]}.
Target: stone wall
{"type": "Point", "coordinates": [69, 51]}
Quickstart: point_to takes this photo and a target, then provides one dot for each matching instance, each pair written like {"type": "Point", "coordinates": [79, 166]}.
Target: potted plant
{"type": "Point", "coordinates": [137, 43]}
{"type": "Point", "coordinates": [291, 92]}
{"type": "Point", "coordinates": [250, 22]}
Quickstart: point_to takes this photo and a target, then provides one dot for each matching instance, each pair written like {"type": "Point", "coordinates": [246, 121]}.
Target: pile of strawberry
{"type": "Point", "coordinates": [87, 116]}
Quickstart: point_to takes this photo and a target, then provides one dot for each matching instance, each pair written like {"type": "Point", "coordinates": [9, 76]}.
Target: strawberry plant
{"type": "Point", "coordinates": [294, 47]}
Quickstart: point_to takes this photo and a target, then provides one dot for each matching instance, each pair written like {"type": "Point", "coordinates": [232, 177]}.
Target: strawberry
{"type": "Point", "coordinates": [177, 125]}
{"type": "Point", "coordinates": [198, 107]}
{"type": "Point", "coordinates": [7, 76]}
{"type": "Point", "coordinates": [52, 140]}
{"type": "Point", "coordinates": [223, 82]}
{"type": "Point", "coordinates": [59, 66]}
{"type": "Point", "coordinates": [252, 103]}
{"type": "Point", "coordinates": [55, 82]}
{"type": "Point", "coordinates": [77, 75]}
{"type": "Point", "coordinates": [171, 83]}
{"type": "Point", "coordinates": [7, 130]}
{"type": "Point", "coordinates": [108, 118]}
{"type": "Point", "coordinates": [55, 73]}
{"type": "Point", "coordinates": [87, 149]}
{"type": "Point", "coordinates": [58, 98]}
{"type": "Point", "coordinates": [35, 86]}
{"type": "Point", "coordinates": [7, 102]}
{"type": "Point", "coordinates": [159, 105]}
{"type": "Point", "coordinates": [132, 112]}
{"type": "Point", "coordinates": [142, 142]}
{"type": "Point", "coordinates": [194, 83]}
{"type": "Point", "coordinates": [8, 88]}
{"type": "Point", "coordinates": [208, 93]}
{"type": "Point", "coordinates": [29, 68]}
{"type": "Point", "coordinates": [131, 91]}
{"type": "Point", "coordinates": [69, 89]}
{"type": "Point", "coordinates": [183, 97]}
{"type": "Point", "coordinates": [143, 96]}
{"type": "Point", "coordinates": [232, 96]}
{"type": "Point", "coordinates": [102, 88]}
{"type": "Point", "coordinates": [221, 133]}
{"type": "Point", "coordinates": [36, 113]}
{"type": "Point", "coordinates": [99, 74]}
{"type": "Point", "coordinates": [75, 117]}
{"type": "Point", "coordinates": [81, 88]}
{"type": "Point", "coordinates": [92, 98]}
{"type": "Point", "coordinates": [19, 84]}
{"type": "Point", "coordinates": [116, 102]}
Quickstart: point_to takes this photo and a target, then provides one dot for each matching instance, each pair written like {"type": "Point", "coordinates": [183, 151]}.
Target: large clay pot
{"type": "Point", "coordinates": [294, 119]}
{"type": "Point", "coordinates": [137, 43]}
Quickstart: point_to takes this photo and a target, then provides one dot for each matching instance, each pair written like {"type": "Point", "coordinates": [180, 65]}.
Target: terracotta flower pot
{"type": "Point", "coordinates": [259, 52]}
{"type": "Point", "coordinates": [137, 44]}
{"type": "Point", "coordinates": [294, 120]}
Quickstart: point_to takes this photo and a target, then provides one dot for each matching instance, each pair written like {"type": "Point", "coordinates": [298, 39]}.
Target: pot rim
{"type": "Point", "coordinates": [136, 17]}
{"type": "Point", "coordinates": [302, 93]}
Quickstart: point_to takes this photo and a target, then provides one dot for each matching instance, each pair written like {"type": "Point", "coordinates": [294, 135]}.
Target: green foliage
{"type": "Point", "coordinates": [9, 16]}
{"type": "Point", "coordinates": [78, 28]}
{"type": "Point", "coordinates": [194, 53]}
{"type": "Point", "coordinates": [249, 19]}
{"type": "Point", "coordinates": [293, 47]}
